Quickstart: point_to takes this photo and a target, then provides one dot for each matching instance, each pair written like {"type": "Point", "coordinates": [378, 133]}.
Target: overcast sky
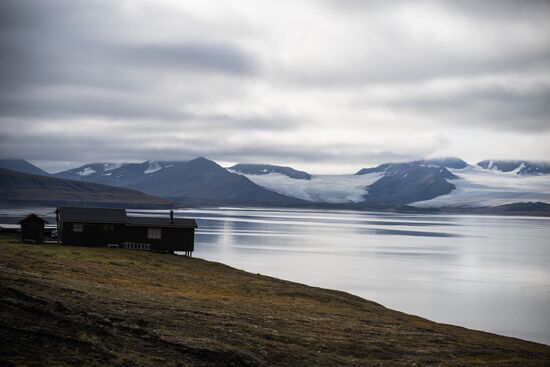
{"type": "Point", "coordinates": [327, 86]}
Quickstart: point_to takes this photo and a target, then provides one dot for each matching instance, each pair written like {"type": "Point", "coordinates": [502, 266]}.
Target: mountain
{"type": "Point", "coordinates": [21, 165]}
{"type": "Point", "coordinates": [518, 167]}
{"type": "Point", "coordinates": [428, 183]}
{"type": "Point", "coordinates": [389, 184]}
{"type": "Point", "coordinates": [17, 188]}
{"type": "Point", "coordinates": [405, 183]}
{"type": "Point", "coordinates": [448, 162]}
{"type": "Point", "coordinates": [124, 175]}
{"type": "Point", "coordinates": [444, 183]}
{"type": "Point", "coordinates": [196, 182]}
{"type": "Point", "coordinates": [264, 169]}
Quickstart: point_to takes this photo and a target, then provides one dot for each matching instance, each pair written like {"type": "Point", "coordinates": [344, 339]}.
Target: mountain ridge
{"type": "Point", "coordinates": [21, 165]}
{"type": "Point", "coordinates": [437, 183]}
{"type": "Point", "coordinates": [18, 188]}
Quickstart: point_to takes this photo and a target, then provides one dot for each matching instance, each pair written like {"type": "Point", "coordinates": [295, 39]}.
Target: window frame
{"type": "Point", "coordinates": [78, 227]}
{"type": "Point", "coordinates": [154, 233]}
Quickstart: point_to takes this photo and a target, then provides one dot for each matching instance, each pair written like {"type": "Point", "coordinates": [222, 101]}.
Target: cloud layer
{"type": "Point", "coordinates": [326, 86]}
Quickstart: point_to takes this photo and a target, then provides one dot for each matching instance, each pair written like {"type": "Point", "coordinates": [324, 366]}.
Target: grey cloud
{"type": "Point", "coordinates": [490, 107]}
{"type": "Point", "coordinates": [175, 93]}
{"type": "Point", "coordinates": [192, 57]}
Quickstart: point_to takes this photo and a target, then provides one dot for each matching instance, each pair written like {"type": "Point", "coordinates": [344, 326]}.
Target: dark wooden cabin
{"type": "Point", "coordinates": [91, 226]}
{"type": "Point", "coordinates": [162, 234]}
{"type": "Point", "coordinates": [114, 228]}
{"type": "Point", "coordinates": [32, 228]}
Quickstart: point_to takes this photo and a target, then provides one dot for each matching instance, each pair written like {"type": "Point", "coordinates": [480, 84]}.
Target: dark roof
{"type": "Point", "coordinates": [92, 215]}
{"type": "Point", "coordinates": [32, 216]}
{"type": "Point", "coordinates": [161, 222]}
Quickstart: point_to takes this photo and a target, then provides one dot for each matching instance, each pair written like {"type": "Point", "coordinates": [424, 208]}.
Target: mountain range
{"type": "Point", "coordinates": [432, 183]}
{"type": "Point", "coordinates": [23, 189]}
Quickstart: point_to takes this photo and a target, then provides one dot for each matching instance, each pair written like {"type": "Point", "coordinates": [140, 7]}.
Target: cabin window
{"type": "Point", "coordinates": [78, 227]}
{"type": "Point", "coordinates": [107, 227]}
{"type": "Point", "coordinates": [154, 233]}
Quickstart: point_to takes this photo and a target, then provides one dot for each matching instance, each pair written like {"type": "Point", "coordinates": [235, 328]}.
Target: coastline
{"type": "Point", "coordinates": [121, 307]}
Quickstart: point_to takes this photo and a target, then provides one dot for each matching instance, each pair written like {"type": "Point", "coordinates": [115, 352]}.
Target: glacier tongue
{"type": "Point", "coordinates": [476, 187]}
{"type": "Point", "coordinates": [320, 188]}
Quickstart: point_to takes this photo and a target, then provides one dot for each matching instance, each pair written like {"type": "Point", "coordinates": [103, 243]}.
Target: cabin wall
{"type": "Point", "coordinates": [172, 239]}
{"type": "Point", "coordinates": [93, 234]}
{"type": "Point", "coordinates": [32, 231]}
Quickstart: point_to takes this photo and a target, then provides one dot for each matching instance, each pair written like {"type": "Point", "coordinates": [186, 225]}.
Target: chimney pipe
{"type": "Point", "coordinates": [171, 217]}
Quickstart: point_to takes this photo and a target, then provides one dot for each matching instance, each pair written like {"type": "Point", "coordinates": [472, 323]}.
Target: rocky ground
{"type": "Point", "coordinates": [66, 306]}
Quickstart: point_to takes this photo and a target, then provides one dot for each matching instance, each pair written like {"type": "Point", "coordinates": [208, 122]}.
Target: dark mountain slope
{"type": "Point", "coordinates": [201, 181]}
{"type": "Point", "coordinates": [23, 189]}
{"type": "Point", "coordinates": [196, 182]}
{"type": "Point", "coordinates": [21, 165]}
{"type": "Point", "coordinates": [264, 169]}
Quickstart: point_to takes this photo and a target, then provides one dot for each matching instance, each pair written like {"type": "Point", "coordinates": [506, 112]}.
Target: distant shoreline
{"type": "Point", "coordinates": [538, 209]}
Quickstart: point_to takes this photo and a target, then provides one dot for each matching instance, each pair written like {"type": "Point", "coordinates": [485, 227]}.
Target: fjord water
{"type": "Point", "coordinates": [489, 273]}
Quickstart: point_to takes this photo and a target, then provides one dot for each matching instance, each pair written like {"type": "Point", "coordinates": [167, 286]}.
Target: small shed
{"type": "Point", "coordinates": [32, 228]}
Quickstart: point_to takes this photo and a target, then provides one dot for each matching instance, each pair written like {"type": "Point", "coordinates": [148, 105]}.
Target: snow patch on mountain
{"type": "Point", "coordinates": [476, 187]}
{"type": "Point", "coordinates": [320, 188]}
{"type": "Point", "coordinates": [153, 167]}
{"type": "Point", "coordinates": [111, 166]}
{"type": "Point", "coordinates": [86, 171]}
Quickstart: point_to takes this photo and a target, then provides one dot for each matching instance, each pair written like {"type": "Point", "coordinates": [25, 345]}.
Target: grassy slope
{"type": "Point", "coordinates": [94, 306]}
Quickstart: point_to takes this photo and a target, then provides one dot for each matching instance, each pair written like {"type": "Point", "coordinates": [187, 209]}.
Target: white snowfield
{"type": "Point", "coordinates": [477, 187]}
{"type": "Point", "coordinates": [111, 166]}
{"type": "Point", "coordinates": [85, 172]}
{"type": "Point", "coordinates": [320, 188]}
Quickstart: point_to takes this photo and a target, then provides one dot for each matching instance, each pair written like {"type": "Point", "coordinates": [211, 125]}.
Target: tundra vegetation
{"type": "Point", "coordinates": [66, 306]}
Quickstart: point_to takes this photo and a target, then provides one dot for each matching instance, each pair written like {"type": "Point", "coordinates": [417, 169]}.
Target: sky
{"type": "Point", "coordinates": [326, 86]}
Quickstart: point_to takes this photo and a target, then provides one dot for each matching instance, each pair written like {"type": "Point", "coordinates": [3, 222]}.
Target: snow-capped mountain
{"type": "Point", "coordinates": [114, 173]}
{"type": "Point", "coordinates": [196, 182]}
{"type": "Point", "coordinates": [432, 183]}
{"type": "Point", "coordinates": [518, 167]}
{"type": "Point", "coordinates": [264, 169]}
{"type": "Point", "coordinates": [448, 182]}
{"type": "Point", "coordinates": [386, 184]}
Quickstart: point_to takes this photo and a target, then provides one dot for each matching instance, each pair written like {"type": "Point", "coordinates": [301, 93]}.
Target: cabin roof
{"type": "Point", "coordinates": [161, 222]}
{"type": "Point", "coordinates": [93, 215]}
{"type": "Point", "coordinates": [32, 216]}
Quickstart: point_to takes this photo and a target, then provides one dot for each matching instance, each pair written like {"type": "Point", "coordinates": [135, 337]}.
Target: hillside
{"type": "Point", "coordinates": [21, 165]}
{"type": "Point", "coordinates": [65, 306]}
{"type": "Point", "coordinates": [18, 188]}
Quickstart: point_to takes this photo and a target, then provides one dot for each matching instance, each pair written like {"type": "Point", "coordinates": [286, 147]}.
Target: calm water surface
{"type": "Point", "coordinates": [490, 273]}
